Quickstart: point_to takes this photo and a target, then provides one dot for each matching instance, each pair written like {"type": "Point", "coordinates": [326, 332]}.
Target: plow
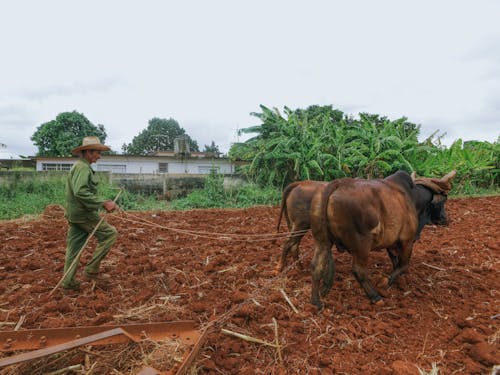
{"type": "Point", "coordinates": [46, 342]}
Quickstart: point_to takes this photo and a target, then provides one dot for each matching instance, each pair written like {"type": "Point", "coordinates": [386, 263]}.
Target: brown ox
{"type": "Point", "coordinates": [363, 215]}
{"type": "Point", "coordinates": [295, 207]}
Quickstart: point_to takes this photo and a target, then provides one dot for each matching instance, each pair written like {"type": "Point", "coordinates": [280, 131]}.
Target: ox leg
{"type": "Point", "coordinates": [360, 271]}
{"type": "Point", "coordinates": [392, 252]}
{"type": "Point", "coordinates": [291, 244]}
{"type": "Point", "coordinates": [328, 274]}
{"type": "Point", "coordinates": [404, 261]}
{"type": "Point", "coordinates": [294, 250]}
{"type": "Point", "coordinates": [321, 266]}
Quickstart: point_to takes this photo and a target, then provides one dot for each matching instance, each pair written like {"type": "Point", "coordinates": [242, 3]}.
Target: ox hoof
{"type": "Point", "coordinates": [319, 305]}
{"type": "Point", "coordinates": [378, 301]}
{"type": "Point", "coordinates": [402, 284]}
{"type": "Point", "coordinates": [383, 282]}
{"type": "Point", "coordinates": [278, 269]}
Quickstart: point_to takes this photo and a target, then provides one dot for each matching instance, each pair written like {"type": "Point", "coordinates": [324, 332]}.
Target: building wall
{"type": "Point", "coordinates": [142, 165]}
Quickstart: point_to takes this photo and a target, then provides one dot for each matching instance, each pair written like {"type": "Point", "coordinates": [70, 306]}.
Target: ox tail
{"type": "Point", "coordinates": [286, 192]}
{"type": "Point", "coordinates": [327, 193]}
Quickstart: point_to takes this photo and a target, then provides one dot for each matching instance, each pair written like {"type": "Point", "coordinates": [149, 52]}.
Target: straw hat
{"type": "Point", "coordinates": [90, 143]}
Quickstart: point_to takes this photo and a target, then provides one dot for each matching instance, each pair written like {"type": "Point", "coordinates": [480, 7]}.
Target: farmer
{"type": "Point", "coordinates": [82, 205]}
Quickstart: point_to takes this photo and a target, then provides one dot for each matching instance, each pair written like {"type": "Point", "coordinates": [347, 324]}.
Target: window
{"type": "Point", "coordinates": [162, 167]}
{"type": "Point", "coordinates": [115, 168]}
{"type": "Point", "coordinates": [56, 166]}
{"type": "Point", "coordinates": [206, 169]}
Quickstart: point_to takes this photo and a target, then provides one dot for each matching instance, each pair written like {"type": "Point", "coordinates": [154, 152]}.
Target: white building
{"type": "Point", "coordinates": [161, 162]}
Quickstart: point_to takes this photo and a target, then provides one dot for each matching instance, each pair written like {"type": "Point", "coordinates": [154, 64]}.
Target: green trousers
{"type": "Point", "coordinates": [77, 235]}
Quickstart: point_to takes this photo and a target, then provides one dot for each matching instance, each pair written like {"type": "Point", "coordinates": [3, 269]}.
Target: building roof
{"type": "Point", "coordinates": [156, 155]}
{"type": "Point", "coordinates": [6, 155]}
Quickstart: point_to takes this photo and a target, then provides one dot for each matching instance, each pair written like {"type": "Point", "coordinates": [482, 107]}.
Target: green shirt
{"type": "Point", "coordinates": [82, 202]}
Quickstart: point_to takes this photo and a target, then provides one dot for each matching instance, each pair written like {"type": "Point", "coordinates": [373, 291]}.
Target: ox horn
{"type": "Point", "coordinates": [449, 176]}
{"type": "Point", "coordinates": [413, 176]}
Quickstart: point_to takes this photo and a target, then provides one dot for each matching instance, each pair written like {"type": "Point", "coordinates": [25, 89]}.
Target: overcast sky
{"type": "Point", "coordinates": [209, 64]}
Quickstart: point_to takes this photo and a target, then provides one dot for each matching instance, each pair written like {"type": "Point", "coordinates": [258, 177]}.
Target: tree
{"type": "Point", "coordinates": [58, 137]}
{"type": "Point", "coordinates": [300, 144]}
{"type": "Point", "coordinates": [213, 148]}
{"type": "Point", "coordinates": [322, 143]}
{"type": "Point", "coordinates": [159, 135]}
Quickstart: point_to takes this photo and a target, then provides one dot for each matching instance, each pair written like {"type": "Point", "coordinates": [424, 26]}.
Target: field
{"type": "Point", "coordinates": [442, 317]}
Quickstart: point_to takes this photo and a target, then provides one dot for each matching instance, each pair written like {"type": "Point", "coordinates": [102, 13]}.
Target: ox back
{"type": "Point", "coordinates": [380, 211]}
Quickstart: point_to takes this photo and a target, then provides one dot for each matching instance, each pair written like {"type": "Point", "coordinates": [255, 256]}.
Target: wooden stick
{"type": "Point", "coordinates": [434, 267]}
{"type": "Point", "coordinates": [278, 347]}
{"type": "Point", "coordinates": [77, 258]}
{"type": "Point", "coordinates": [289, 302]}
{"type": "Point", "coordinates": [65, 370]}
{"type": "Point", "coordinates": [20, 322]}
{"type": "Point", "coordinates": [247, 338]}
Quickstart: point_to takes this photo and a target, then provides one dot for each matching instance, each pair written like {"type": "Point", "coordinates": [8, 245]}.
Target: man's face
{"type": "Point", "coordinates": [92, 155]}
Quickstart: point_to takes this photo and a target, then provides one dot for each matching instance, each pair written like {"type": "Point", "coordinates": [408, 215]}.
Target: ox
{"type": "Point", "coordinates": [362, 215]}
{"type": "Point", "coordinates": [296, 206]}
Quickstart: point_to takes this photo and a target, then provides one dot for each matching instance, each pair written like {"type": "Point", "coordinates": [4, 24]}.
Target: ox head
{"type": "Point", "coordinates": [439, 189]}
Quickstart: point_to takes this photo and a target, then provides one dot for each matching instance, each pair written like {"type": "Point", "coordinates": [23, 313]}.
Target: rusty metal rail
{"type": "Point", "coordinates": [45, 342]}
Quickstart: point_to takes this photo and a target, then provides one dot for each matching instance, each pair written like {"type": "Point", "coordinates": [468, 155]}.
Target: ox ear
{"type": "Point", "coordinates": [413, 176]}
{"type": "Point", "coordinates": [450, 176]}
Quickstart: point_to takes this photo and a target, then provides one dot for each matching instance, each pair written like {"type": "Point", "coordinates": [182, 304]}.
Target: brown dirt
{"type": "Point", "coordinates": [443, 314]}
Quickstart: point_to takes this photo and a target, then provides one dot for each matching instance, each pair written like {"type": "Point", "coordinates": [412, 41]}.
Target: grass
{"type": "Point", "coordinates": [21, 196]}
{"type": "Point", "coordinates": [25, 193]}
{"type": "Point", "coordinates": [215, 195]}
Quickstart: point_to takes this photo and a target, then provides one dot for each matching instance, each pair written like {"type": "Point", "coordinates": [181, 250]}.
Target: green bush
{"type": "Point", "coordinates": [20, 196]}
{"type": "Point", "coordinates": [215, 195]}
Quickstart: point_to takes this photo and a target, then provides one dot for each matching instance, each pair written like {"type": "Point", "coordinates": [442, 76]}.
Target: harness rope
{"type": "Point", "coordinates": [255, 293]}
{"type": "Point", "coordinates": [217, 236]}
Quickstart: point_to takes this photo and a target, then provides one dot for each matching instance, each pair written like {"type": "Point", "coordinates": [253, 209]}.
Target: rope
{"type": "Point", "coordinates": [218, 236]}
{"type": "Point", "coordinates": [221, 319]}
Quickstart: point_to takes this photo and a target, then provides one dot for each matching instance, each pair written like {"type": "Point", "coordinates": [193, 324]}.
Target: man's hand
{"type": "Point", "coordinates": [110, 206]}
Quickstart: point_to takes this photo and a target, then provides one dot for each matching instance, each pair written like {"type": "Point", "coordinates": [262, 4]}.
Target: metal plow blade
{"type": "Point", "coordinates": [45, 342]}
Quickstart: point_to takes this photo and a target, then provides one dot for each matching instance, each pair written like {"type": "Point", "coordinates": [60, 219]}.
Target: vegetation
{"type": "Point", "coordinates": [213, 148]}
{"type": "Point", "coordinates": [29, 196]}
{"type": "Point", "coordinates": [58, 137]}
{"type": "Point", "coordinates": [159, 135]}
{"type": "Point", "coordinates": [477, 164]}
{"type": "Point", "coordinates": [21, 196]}
{"type": "Point", "coordinates": [321, 143]}
{"type": "Point", "coordinates": [214, 194]}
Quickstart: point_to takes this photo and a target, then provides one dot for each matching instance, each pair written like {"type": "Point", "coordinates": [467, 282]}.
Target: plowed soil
{"type": "Point", "coordinates": [443, 315]}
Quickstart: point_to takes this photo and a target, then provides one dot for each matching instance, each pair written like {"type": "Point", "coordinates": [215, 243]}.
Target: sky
{"type": "Point", "coordinates": [210, 64]}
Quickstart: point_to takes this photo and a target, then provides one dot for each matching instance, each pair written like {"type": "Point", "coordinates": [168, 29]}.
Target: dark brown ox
{"type": "Point", "coordinates": [363, 215]}
{"type": "Point", "coordinates": [295, 207]}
